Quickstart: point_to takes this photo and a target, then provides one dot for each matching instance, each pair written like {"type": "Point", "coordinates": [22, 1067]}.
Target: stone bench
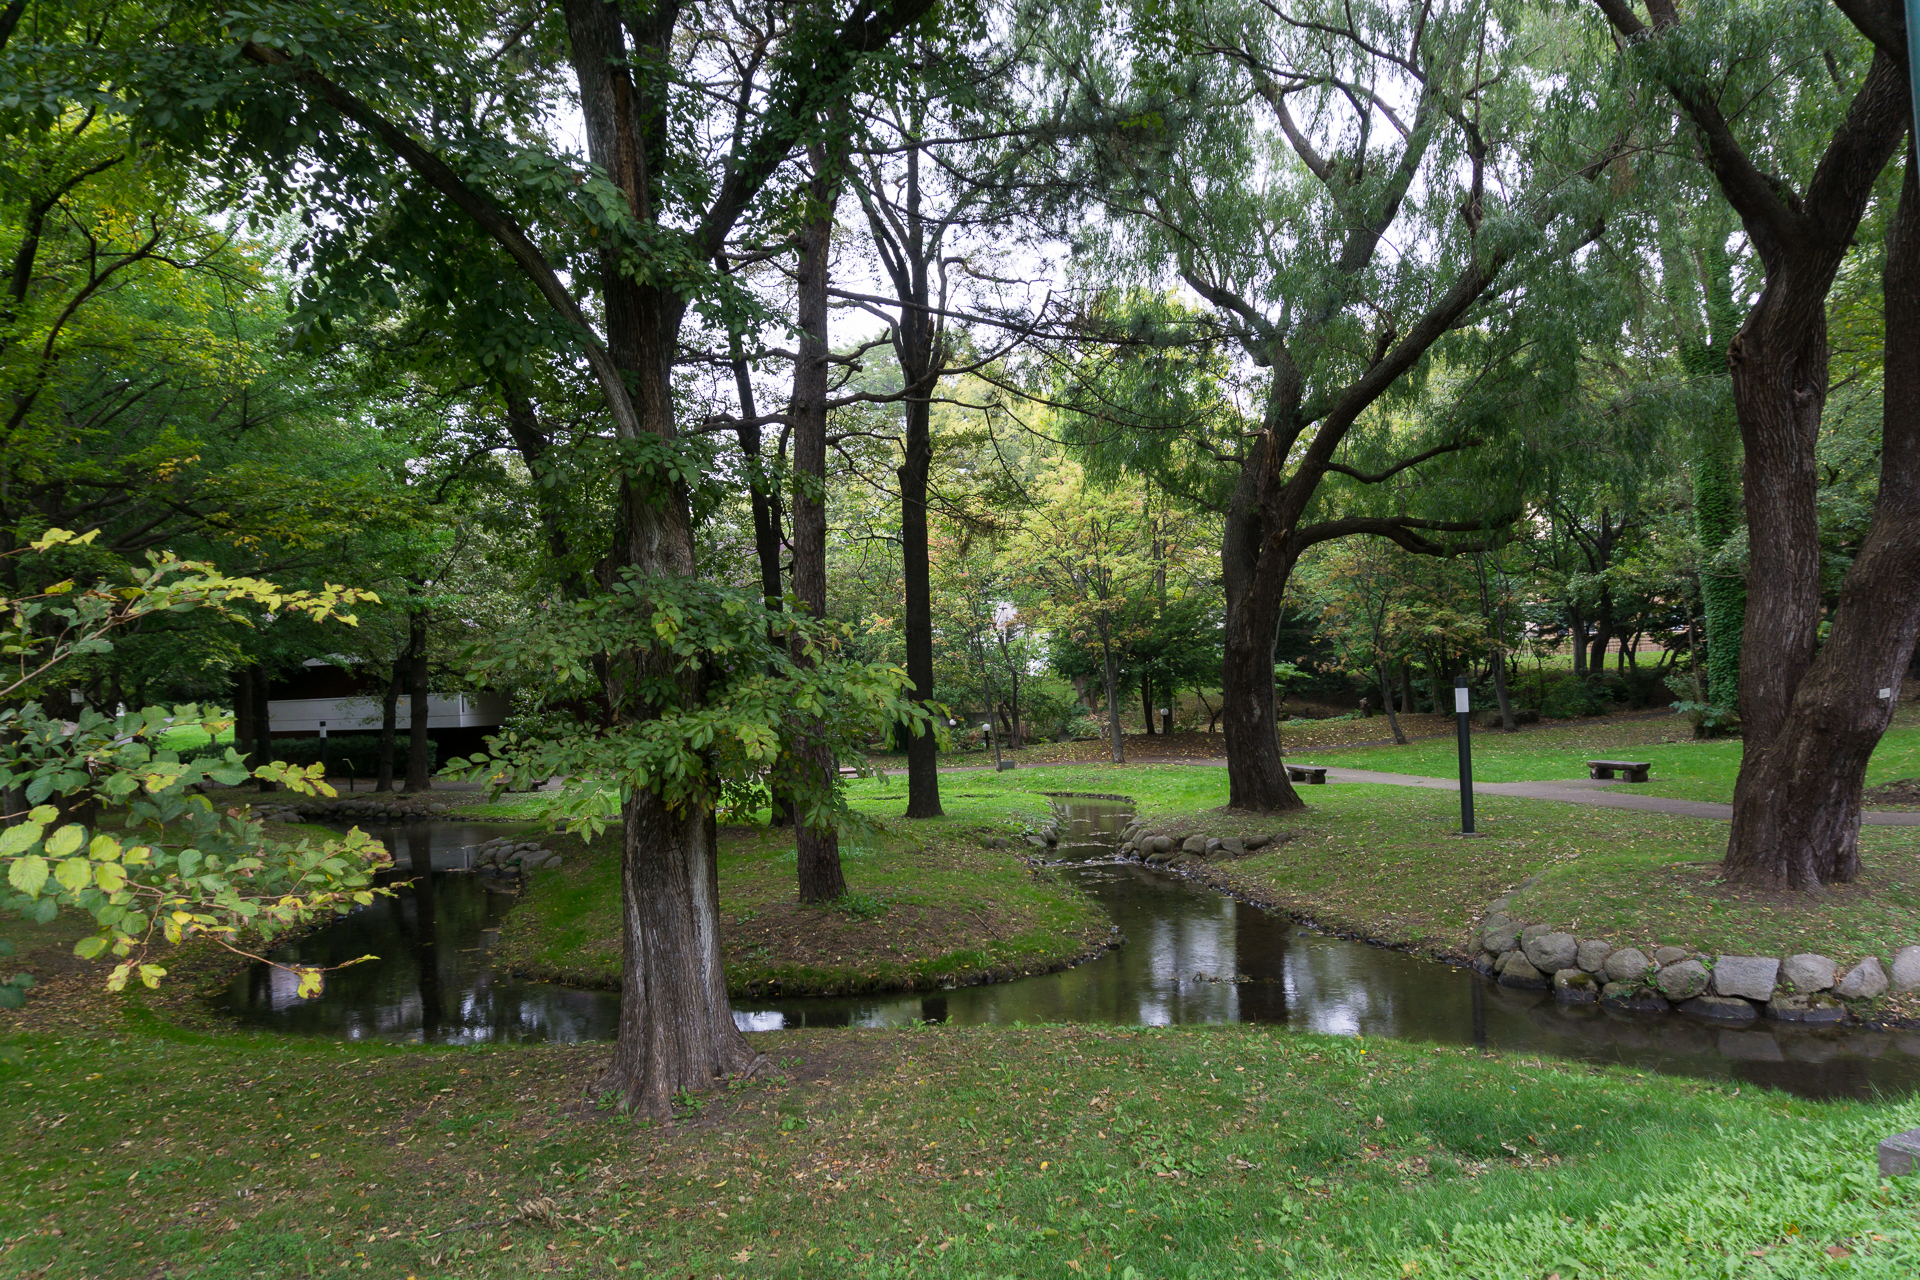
{"type": "Point", "coordinates": [1311, 774]}
{"type": "Point", "coordinates": [1635, 770]}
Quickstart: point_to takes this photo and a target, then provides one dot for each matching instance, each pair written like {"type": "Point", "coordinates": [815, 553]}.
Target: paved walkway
{"type": "Point", "coordinates": [1606, 795]}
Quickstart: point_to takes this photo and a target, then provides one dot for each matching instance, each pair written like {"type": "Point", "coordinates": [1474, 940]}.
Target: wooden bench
{"type": "Point", "coordinates": [1635, 770]}
{"type": "Point", "coordinates": [1312, 774]}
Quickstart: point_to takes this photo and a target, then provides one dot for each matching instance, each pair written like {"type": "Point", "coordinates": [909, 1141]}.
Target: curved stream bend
{"type": "Point", "coordinates": [1189, 955]}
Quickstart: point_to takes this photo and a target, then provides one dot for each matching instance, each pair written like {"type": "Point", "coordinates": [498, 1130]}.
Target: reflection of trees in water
{"type": "Point", "coordinates": [432, 981]}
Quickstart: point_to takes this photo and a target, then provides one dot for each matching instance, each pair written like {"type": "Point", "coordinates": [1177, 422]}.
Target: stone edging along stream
{"type": "Point", "coordinates": [1723, 988]}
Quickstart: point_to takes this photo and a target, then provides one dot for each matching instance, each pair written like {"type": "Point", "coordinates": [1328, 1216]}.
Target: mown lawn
{"type": "Point", "coordinates": [130, 1149]}
{"type": "Point", "coordinates": [1682, 768]}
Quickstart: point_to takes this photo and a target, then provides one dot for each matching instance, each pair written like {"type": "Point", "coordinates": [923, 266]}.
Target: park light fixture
{"type": "Point", "coordinates": [1463, 730]}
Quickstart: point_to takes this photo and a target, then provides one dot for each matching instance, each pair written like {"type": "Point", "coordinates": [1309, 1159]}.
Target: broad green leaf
{"type": "Point", "coordinates": [28, 874]}
{"type": "Point", "coordinates": [74, 874]}
{"type": "Point", "coordinates": [88, 948]}
{"type": "Point", "coordinates": [109, 876]}
{"type": "Point", "coordinates": [17, 839]}
{"type": "Point", "coordinates": [63, 842]}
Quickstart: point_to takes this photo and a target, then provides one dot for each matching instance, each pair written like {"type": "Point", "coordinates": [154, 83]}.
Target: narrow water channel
{"type": "Point", "coordinates": [1189, 955]}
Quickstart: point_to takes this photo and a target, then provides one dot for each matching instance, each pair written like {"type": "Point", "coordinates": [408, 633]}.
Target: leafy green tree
{"type": "Point", "coordinates": [1273, 159]}
{"type": "Point", "coordinates": [420, 133]}
{"type": "Point", "coordinates": [1800, 203]}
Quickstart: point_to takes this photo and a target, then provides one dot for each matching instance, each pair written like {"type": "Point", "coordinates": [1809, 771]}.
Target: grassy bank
{"type": "Point", "coordinates": [1382, 862]}
{"type": "Point", "coordinates": [925, 908]}
{"type": "Point", "coordinates": [937, 1152]}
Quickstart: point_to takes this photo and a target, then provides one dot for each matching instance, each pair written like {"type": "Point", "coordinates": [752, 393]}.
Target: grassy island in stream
{"type": "Point", "coordinates": [928, 905]}
{"type": "Point", "coordinates": [1205, 1153]}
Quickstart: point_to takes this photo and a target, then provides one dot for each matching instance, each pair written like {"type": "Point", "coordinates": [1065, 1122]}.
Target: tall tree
{"type": "Point", "coordinates": [1796, 803]}
{"type": "Point", "coordinates": [341, 106]}
{"type": "Point", "coordinates": [1297, 146]}
{"type": "Point", "coordinates": [817, 845]}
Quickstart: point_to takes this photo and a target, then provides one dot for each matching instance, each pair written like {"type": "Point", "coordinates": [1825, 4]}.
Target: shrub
{"type": "Point", "coordinates": [1085, 729]}
{"type": "Point", "coordinates": [357, 753]}
{"type": "Point", "coordinates": [1567, 698]}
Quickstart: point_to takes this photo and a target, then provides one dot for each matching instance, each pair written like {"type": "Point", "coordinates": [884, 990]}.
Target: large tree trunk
{"type": "Point", "coordinates": [923, 749]}
{"type": "Point", "coordinates": [1779, 363]}
{"type": "Point", "coordinates": [1386, 700]}
{"type": "Point", "coordinates": [390, 722]}
{"type": "Point", "coordinates": [1256, 777]}
{"type": "Point", "coordinates": [676, 1027]}
{"type": "Point", "coordinates": [1796, 816]}
{"type": "Point", "coordinates": [419, 773]}
{"type": "Point", "coordinates": [1602, 632]}
{"type": "Point", "coordinates": [243, 732]}
{"type": "Point", "coordinates": [818, 847]}
{"type": "Point", "coordinates": [262, 724]}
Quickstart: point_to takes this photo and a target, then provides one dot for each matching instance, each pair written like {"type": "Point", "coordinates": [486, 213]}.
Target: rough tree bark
{"type": "Point", "coordinates": [1796, 817]}
{"type": "Point", "coordinates": [243, 715]}
{"type": "Point", "coordinates": [419, 773]}
{"type": "Point", "coordinates": [390, 721]}
{"type": "Point", "coordinates": [818, 848]}
{"type": "Point", "coordinates": [262, 725]}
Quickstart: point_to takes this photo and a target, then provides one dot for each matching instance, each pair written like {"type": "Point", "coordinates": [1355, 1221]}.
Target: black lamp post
{"type": "Point", "coordinates": [1463, 730]}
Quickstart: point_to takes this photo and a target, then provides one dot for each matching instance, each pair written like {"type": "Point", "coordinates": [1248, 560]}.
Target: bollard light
{"type": "Point", "coordinates": [1463, 730]}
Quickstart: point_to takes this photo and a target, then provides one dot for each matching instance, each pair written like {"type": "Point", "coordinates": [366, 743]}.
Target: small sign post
{"type": "Point", "coordinates": [1463, 728]}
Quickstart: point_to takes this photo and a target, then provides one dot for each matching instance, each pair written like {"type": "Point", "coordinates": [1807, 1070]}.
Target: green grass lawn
{"type": "Point", "coordinates": [1682, 768]}
{"type": "Point", "coordinates": [1203, 1153]}
{"type": "Point", "coordinates": [187, 737]}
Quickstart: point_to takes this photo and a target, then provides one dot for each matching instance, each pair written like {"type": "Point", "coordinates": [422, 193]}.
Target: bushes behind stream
{"type": "Point", "coordinates": [356, 753]}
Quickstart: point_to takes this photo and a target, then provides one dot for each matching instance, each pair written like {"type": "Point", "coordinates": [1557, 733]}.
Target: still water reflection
{"type": "Point", "coordinates": [434, 980]}
{"type": "Point", "coordinates": [1188, 956]}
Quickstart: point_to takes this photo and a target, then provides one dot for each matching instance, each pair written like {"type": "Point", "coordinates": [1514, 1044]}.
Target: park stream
{"type": "Point", "coordinates": [1186, 954]}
